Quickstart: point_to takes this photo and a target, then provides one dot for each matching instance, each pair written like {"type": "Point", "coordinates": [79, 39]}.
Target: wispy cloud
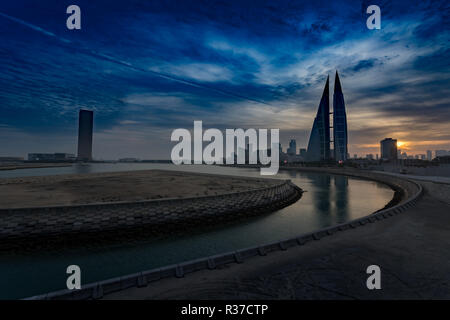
{"type": "Point", "coordinates": [151, 66]}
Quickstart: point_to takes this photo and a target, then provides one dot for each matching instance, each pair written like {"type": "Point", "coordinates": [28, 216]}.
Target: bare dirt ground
{"type": "Point", "coordinates": [118, 186]}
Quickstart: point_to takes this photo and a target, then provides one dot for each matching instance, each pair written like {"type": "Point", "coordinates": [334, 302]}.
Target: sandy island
{"type": "Point", "coordinates": [119, 186]}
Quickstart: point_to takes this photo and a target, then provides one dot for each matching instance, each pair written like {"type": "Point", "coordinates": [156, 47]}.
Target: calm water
{"type": "Point", "coordinates": [328, 200]}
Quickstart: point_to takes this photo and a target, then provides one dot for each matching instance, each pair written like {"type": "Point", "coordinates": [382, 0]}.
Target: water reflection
{"type": "Point", "coordinates": [331, 200]}
{"type": "Point", "coordinates": [341, 198]}
{"type": "Point", "coordinates": [322, 194]}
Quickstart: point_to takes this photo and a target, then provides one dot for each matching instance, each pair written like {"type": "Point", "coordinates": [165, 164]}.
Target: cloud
{"type": "Point", "coordinates": [363, 65]}
{"type": "Point", "coordinates": [203, 72]}
{"type": "Point", "coordinates": [153, 66]}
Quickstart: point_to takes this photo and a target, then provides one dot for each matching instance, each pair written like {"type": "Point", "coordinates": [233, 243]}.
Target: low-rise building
{"type": "Point", "coordinates": [44, 157]}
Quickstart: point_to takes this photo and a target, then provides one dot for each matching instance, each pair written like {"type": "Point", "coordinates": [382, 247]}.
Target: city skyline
{"type": "Point", "coordinates": [264, 68]}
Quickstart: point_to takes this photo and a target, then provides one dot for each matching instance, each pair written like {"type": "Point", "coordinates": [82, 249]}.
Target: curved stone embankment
{"type": "Point", "coordinates": [153, 217]}
{"type": "Point", "coordinates": [410, 192]}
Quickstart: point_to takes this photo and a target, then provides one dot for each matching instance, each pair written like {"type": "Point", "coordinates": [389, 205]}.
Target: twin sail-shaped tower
{"type": "Point", "coordinates": [320, 140]}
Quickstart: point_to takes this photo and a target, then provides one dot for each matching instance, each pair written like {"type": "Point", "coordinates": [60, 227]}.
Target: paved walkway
{"type": "Point", "coordinates": [411, 248]}
{"type": "Point", "coordinates": [436, 179]}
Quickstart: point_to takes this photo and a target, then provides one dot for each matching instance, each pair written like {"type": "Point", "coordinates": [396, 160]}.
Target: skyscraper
{"type": "Point", "coordinates": [388, 148]}
{"type": "Point", "coordinates": [292, 150]}
{"type": "Point", "coordinates": [339, 122]}
{"type": "Point", "coordinates": [85, 125]}
{"type": "Point", "coordinates": [303, 153]}
{"type": "Point", "coordinates": [319, 140]}
{"type": "Point", "coordinates": [429, 155]}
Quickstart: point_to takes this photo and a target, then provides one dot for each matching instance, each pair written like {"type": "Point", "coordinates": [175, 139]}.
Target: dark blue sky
{"type": "Point", "coordinates": [148, 67]}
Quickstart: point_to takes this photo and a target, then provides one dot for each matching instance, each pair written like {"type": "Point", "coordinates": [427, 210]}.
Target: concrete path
{"type": "Point", "coordinates": [411, 248]}
{"type": "Point", "coordinates": [445, 180]}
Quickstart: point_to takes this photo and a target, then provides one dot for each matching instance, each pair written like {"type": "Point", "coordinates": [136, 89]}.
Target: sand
{"type": "Point", "coordinates": [119, 186]}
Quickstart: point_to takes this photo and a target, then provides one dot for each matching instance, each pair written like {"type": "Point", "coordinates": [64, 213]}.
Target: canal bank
{"type": "Point", "coordinates": [135, 286]}
{"type": "Point", "coordinates": [411, 247]}
{"type": "Point", "coordinates": [412, 250]}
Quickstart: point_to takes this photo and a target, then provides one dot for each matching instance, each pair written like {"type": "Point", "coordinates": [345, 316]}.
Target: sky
{"type": "Point", "coordinates": [149, 67]}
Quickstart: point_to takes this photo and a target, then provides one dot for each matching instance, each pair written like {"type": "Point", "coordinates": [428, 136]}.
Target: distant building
{"type": "Point", "coordinates": [376, 156]}
{"type": "Point", "coordinates": [319, 139]}
{"type": "Point", "coordinates": [388, 148]}
{"type": "Point", "coordinates": [292, 150]}
{"type": "Point", "coordinates": [319, 148]}
{"type": "Point", "coordinates": [441, 153]}
{"type": "Point", "coordinates": [85, 126]}
{"type": "Point", "coordinates": [41, 156]}
{"type": "Point", "coordinates": [369, 156]}
{"type": "Point", "coordinates": [355, 156]}
{"type": "Point", "coordinates": [429, 155]}
{"type": "Point", "coordinates": [422, 157]}
{"type": "Point", "coordinates": [303, 153]}
{"type": "Point", "coordinates": [443, 159]}
{"type": "Point", "coordinates": [51, 157]}
{"type": "Point", "coordinates": [64, 156]}
{"type": "Point", "coordinates": [251, 153]}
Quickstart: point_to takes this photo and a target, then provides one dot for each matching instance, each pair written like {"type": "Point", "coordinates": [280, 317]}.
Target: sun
{"type": "Point", "coordinates": [401, 144]}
